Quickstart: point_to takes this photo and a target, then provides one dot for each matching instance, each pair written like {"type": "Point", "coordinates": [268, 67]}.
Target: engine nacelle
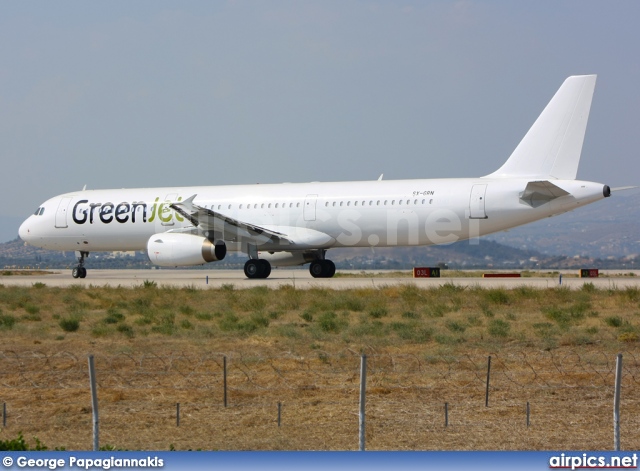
{"type": "Point", "coordinates": [287, 259]}
{"type": "Point", "coordinates": [170, 249]}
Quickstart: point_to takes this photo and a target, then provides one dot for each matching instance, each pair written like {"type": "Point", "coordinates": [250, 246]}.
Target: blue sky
{"type": "Point", "coordinates": [154, 93]}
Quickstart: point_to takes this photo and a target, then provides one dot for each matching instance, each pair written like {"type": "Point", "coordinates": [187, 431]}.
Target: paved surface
{"type": "Point", "coordinates": [302, 279]}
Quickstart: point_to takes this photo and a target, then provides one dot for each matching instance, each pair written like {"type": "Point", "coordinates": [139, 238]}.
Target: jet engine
{"type": "Point", "coordinates": [172, 250]}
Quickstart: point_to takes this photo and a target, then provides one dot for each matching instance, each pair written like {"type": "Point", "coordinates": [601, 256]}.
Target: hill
{"type": "Point", "coordinates": [608, 228]}
{"type": "Point", "coordinates": [485, 254]}
{"type": "Point", "coordinates": [605, 235]}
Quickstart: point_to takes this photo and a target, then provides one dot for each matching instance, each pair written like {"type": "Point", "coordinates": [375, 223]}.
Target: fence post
{"type": "Point", "coordinates": [528, 414]}
{"type": "Point", "coordinates": [4, 414]}
{"type": "Point", "coordinates": [486, 395]}
{"type": "Point", "coordinates": [363, 390]}
{"type": "Point", "coordinates": [616, 404]}
{"type": "Point", "coordinates": [94, 402]}
{"type": "Point", "coordinates": [177, 414]}
{"type": "Point", "coordinates": [224, 380]}
{"type": "Point", "coordinates": [279, 412]}
{"type": "Point", "coordinates": [446, 414]}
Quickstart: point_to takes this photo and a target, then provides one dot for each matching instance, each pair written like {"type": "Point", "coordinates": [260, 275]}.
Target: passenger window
{"type": "Point", "coordinates": [240, 207]}
{"type": "Point", "coordinates": [348, 203]}
{"type": "Point", "coordinates": [297, 205]}
{"type": "Point", "coordinates": [355, 204]}
{"type": "Point", "coordinates": [399, 201]}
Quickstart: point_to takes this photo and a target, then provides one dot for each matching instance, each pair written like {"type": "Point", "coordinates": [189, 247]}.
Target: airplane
{"type": "Point", "coordinates": [294, 224]}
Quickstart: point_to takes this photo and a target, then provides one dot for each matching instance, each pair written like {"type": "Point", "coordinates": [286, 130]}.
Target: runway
{"type": "Point", "coordinates": [205, 279]}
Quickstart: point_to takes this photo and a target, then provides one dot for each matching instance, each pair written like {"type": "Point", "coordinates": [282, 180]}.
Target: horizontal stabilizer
{"type": "Point", "coordinates": [541, 192]}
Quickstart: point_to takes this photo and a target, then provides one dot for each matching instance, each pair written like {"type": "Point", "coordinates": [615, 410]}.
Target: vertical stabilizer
{"type": "Point", "coordinates": [552, 147]}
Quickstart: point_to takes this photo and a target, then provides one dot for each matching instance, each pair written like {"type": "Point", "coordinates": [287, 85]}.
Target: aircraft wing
{"type": "Point", "coordinates": [225, 227]}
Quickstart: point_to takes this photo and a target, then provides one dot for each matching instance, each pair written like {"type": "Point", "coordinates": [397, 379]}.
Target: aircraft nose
{"type": "Point", "coordinates": [25, 232]}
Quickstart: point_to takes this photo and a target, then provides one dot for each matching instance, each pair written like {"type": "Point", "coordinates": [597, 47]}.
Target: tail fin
{"type": "Point", "coordinates": [552, 147]}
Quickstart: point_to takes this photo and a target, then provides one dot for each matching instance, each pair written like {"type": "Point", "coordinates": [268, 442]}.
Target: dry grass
{"type": "Point", "coordinates": [154, 347]}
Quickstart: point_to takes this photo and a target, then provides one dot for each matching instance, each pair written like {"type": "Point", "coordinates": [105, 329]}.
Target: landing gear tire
{"type": "Point", "coordinates": [322, 269]}
{"type": "Point", "coordinates": [80, 271]}
{"type": "Point", "coordinates": [316, 269]}
{"type": "Point", "coordinates": [331, 268]}
{"type": "Point", "coordinates": [257, 268]}
{"type": "Point", "coordinates": [251, 269]}
{"type": "Point", "coordinates": [265, 268]}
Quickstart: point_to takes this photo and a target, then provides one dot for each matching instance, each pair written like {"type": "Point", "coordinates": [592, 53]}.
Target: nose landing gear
{"type": "Point", "coordinates": [80, 271]}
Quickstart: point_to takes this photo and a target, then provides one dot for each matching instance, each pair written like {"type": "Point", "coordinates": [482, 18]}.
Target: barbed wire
{"type": "Point", "coordinates": [524, 369]}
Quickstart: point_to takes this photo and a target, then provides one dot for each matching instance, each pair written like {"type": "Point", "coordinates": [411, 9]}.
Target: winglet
{"type": "Point", "coordinates": [188, 203]}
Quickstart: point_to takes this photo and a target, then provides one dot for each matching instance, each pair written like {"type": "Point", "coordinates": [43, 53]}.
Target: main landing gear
{"type": "Point", "coordinates": [260, 268]}
{"type": "Point", "coordinates": [322, 269]}
{"type": "Point", "coordinates": [80, 271]}
{"type": "Point", "coordinates": [257, 268]}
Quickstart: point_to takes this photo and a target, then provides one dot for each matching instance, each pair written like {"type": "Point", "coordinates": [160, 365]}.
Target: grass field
{"type": "Point", "coordinates": [553, 347]}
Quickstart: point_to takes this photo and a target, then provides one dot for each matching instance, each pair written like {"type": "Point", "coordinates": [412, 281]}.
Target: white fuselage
{"type": "Point", "coordinates": [312, 215]}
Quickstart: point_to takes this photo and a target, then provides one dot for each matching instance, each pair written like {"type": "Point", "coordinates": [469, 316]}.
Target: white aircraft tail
{"type": "Point", "coordinates": [551, 149]}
